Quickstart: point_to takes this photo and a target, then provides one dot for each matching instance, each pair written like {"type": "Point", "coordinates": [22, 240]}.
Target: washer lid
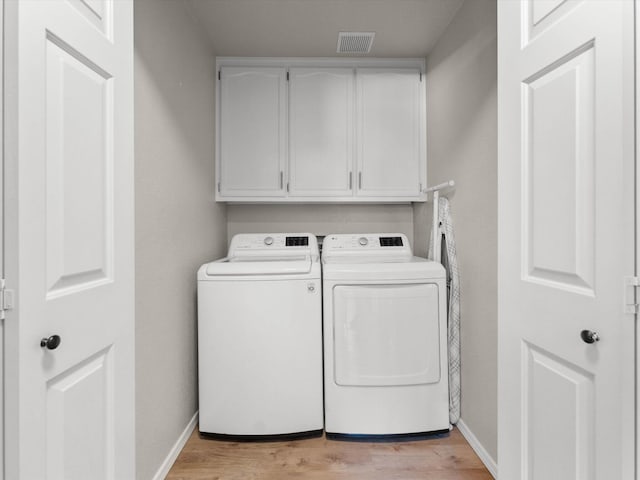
{"type": "Point", "coordinates": [266, 265]}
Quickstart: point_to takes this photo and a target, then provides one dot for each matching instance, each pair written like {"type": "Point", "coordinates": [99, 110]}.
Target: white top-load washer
{"type": "Point", "coordinates": [385, 338]}
{"type": "Point", "coordinates": [260, 338]}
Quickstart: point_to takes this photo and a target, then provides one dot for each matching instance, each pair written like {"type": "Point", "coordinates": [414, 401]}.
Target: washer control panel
{"type": "Point", "coordinates": [298, 243]}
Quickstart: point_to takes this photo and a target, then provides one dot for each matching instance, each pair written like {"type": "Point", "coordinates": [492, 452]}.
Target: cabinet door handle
{"type": "Point", "coordinates": [281, 179]}
{"type": "Point", "coordinates": [350, 180]}
{"type": "Point", "coordinates": [359, 180]}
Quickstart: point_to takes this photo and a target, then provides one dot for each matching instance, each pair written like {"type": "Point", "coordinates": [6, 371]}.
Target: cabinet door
{"type": "Point", "coordinates": [391, 132]}
{"type": "Point", "coordinates": [252, 137]}
{"type": "Point", "coordinates": [321, 131]}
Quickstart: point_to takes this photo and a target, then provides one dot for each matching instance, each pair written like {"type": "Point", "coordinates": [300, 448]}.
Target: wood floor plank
{"type": "Point", "coordinates": [439, 458]}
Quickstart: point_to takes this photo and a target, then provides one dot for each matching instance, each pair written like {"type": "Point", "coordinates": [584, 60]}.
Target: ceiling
{"type": "Point", "coordinates": [309, 28]}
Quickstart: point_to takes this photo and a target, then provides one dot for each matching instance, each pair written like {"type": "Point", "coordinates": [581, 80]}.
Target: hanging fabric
{"type": "Point", "coordinates": [446, 245]}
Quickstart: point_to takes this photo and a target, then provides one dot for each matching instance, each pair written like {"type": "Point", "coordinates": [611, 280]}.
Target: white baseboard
{"type": "Point", "coordinates": [489, 462]}
{"type": "Point", "coordinates": [163, 471]}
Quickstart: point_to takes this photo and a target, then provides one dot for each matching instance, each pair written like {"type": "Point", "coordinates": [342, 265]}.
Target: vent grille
{"type": "Point", "coordinates": [355, 42]}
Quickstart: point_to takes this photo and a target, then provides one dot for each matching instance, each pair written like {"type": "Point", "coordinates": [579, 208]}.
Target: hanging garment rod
{"type": "Point", "coordinates": [435, 226]}
{"type": "Point", "coordinates": [441, 186]}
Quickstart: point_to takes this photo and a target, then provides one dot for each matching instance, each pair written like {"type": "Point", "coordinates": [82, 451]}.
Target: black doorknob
{"type": "Point", "coordinates": [51, 343]}
{"type": "Point", "coordinates": [589, 336]}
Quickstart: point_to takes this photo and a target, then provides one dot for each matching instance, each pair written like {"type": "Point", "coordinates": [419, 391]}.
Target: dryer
{"type": "Point", "coordinates": [260, 338]}
{"type": "Point", "coordinates": [385, 338]}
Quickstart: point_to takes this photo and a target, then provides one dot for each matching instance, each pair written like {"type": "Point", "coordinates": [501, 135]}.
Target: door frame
{"type": "Point", "coordinates": [9, 254]}
{"type": "Point", "coordinates": [2, 412]}
{"type": "Point", "coordinates": [636, 46]}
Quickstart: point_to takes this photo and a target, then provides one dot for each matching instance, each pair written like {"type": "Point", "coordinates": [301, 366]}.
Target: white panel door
{"type": "Point", "coordinates": [390, 132]}
{"type": "Point", "coordinates": [252, 140]}
{"type": "Point", "coordinates": [566, 220]}
{"type": "Point", "coordinates": [321, 131]}
{"type": "Point", "coordinates": [70, 406]}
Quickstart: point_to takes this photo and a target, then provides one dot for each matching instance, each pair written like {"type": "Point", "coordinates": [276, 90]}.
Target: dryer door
{"type": "Point", "coordinates": [386, 335]}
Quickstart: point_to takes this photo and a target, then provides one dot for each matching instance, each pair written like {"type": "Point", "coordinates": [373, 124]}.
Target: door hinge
{"type": "Point", "coordinates": [287, 76]}
{"type": "Point", "coordinates": [420, 76]}
{"type": "Point", "coordinates": [219, 74]}
{"type": "Point", "coordinates": [631, 293]}
{"type": "Point", "coordinates": [218, 187]}
{"type": "Point", "coordinates": [6, 299]}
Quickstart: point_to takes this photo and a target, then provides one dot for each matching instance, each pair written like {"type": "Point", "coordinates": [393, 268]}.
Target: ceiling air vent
{"type": "Point", "coordinates": [355, 42]}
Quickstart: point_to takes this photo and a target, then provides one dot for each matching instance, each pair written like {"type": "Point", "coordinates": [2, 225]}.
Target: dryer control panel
{"type": "Point", "coordinates": [380, 243]}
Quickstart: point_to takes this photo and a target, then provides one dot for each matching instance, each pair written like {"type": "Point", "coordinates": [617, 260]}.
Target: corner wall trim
{"type": "Point", "coordinates": [163, 471]}
{"type": "Point", "coordinates": [489, 462]}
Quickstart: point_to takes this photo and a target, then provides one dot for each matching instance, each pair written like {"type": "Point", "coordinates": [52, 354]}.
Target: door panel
{"type": "Point", "coordinates": [97, 12]}
{"type": "Point", "coordinates": [540, 9]}
{"type": "Point", "coordinates": [77, 400]}
{"type": "Point", "coordinates": [539, 15]}
{"type": "Point", "coordinates": [566, 236]}
{"type": "Point", "coordinates": [79, 171]}
{"type": "Point", "coordinates": [70, 238]}
{"type": "Point", "coordinates": [558, 174]}
{"type": "Point", "coordinates": [551, 388]}
{"type": "Point", "coordinates": [386, 335]}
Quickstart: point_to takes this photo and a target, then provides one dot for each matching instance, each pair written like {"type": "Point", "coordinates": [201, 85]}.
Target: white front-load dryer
{"type": "Point", "coordinates": [260, 339]}
{"type": "Point", "coordinates": [385, 338]}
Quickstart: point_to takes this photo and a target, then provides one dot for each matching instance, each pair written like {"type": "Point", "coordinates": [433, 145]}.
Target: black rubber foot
{"type": "Point", "coordinates": [284, 437]}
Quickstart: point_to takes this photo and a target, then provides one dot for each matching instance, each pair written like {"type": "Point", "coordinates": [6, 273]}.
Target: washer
{"type": "Point", "coordinates": [385, 338]}
{"type": "Point", "coordinates": [260, 338]}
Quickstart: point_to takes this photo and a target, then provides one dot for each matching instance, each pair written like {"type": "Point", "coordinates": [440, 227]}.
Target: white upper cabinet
{"type": "Point", "coordinates": [391, 132]}
{"type": "Point", "coordinates": [321, 132]}
{"type": "Point", "coordinates": [252, 132]}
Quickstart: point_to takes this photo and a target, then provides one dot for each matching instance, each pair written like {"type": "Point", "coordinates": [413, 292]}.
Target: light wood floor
{"type": "Point", "coordinates": [444, 458]}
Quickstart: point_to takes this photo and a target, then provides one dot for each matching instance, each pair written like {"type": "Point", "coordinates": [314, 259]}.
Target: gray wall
{"type": "Point", "coordinates": [320, 219]}
{"type": "Point", "coordinates": [462, 145]}
{"type": "Point", "coordinates": [174, 209]}
{"type": "Point", "coordinates": [178, 225]}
